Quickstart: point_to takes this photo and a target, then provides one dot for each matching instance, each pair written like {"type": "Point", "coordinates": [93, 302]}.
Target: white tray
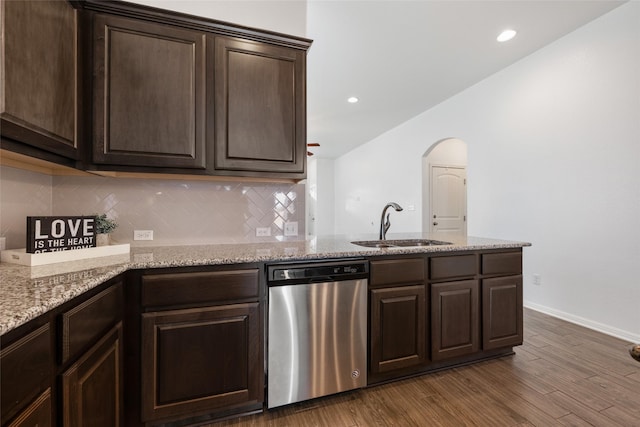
{"type": "Point", "coordinates": [20, 256]}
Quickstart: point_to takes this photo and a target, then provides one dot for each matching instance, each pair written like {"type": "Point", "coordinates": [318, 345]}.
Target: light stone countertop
{"type": "Point", "coordinates": [27, 292]}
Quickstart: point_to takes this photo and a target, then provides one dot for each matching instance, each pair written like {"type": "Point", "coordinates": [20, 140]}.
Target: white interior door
{"type": "Point", "coordinates": [448, 202]}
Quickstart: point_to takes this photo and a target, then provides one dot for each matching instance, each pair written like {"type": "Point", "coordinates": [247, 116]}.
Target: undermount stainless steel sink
{"type": "Point", "coordinates": [403, 243]}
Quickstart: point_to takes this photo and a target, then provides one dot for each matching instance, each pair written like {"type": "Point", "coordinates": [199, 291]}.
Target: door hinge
{"type": "Point", "coordinates": [464, 182]}
{"type": "Point", "coordinates": [464, 218]}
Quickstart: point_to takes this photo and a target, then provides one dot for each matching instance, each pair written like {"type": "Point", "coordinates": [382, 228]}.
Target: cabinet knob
{"type": "Point", "coordinates": [435, 223]}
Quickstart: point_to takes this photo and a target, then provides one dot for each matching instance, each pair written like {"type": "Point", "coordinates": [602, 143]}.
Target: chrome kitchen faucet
{"type": "Point", "coordinates": [384, 226]}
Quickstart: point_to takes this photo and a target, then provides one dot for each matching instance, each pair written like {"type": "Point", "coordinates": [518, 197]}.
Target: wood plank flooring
{"type": "Point", "coordinates": [563, 375]}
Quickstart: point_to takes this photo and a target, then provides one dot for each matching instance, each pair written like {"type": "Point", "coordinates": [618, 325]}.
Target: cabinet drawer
{"type": "Point", "coordinates": [449, 267]}
{"type": "Point", "coordinates": [199, 288]}
{"type": "Point", "coordinates": [502, 263]}
{"type": "Point", "coordinates": [394, 271]}
{"type": "Point", "coordinates": [26, 371]}
{"type": "Point", "coordinates": [86, 323]}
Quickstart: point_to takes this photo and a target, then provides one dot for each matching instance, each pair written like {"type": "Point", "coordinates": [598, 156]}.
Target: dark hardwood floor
{"type": "Point", "coordinates": [563, 375]}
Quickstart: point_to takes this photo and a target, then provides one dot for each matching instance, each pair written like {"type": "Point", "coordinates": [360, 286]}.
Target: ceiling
{"type": "Point", "coordinates": [401, 58]}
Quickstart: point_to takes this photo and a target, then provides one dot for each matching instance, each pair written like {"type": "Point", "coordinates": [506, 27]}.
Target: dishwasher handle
{"type": "Point", "coordinates": [326, 279]}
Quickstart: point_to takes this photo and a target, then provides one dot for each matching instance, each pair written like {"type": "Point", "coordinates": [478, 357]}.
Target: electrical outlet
{"type": "Point", "coordinates": [537, 280]}
{"type": "Point", "coordinates": [263, 231]}
{"type": "Point", "coordinates": [142, 234]}
{"type": "Point", "coordinates": [291, 228]}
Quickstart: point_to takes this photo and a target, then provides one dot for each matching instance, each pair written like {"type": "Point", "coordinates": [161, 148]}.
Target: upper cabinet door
{"type": "Point", "coordinates": [260, 108]}
{"type": "Point", "coordinates": [148, 94]}
{"type": "Point", "coordinates": [38, 92]}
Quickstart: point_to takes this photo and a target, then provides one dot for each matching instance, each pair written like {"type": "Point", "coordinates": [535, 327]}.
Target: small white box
{"type": "Point", "coordinates": [20, 256]}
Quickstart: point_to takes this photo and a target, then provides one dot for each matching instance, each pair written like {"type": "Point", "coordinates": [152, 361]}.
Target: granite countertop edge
{"type": "Point", "coordinates": [28, 292]}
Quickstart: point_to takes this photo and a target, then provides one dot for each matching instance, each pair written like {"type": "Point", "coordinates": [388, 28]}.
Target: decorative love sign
{"type": "Point", "coordinates": [60, 233]}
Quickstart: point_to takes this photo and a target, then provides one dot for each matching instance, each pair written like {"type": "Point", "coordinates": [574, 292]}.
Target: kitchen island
{"type": "Point", "coordinates": [430, 307]}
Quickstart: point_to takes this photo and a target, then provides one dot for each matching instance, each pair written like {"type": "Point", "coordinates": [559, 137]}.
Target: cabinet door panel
{"type": "Point", "coordinates": [260, 107]}
{"type": "Point", "coordinates": [200, 359]}
{"type": "Point", "coordinates": [455, 319]}
{"type": "Point", "coordinates": [25, 367]}
{"type": "Point", "coordinates": [397, 328]}
{"type": "Point", "coordinates": [38, 105]}
{"type": "Point", "coordinates": [37, 414]}
{"type": "Point", "coordinates": [149, 94]}
{"type": "Point", "coordinates": [501, 312]}
{"type": "Point", "coordinates": [92, 387]}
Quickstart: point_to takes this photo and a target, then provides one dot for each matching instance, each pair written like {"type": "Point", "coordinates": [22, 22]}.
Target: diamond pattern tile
{"type": "Point", "coordinates": [179, 212]}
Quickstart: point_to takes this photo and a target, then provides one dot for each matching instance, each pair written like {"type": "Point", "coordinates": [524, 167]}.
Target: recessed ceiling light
{"type": "Point", "coordinates": [506, 35]}
{"type": "Point", "coordinates": [353, 100]}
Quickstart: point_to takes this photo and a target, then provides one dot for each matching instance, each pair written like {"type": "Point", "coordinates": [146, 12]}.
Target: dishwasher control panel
{"type": "Point", "coordinates": [310, 272]}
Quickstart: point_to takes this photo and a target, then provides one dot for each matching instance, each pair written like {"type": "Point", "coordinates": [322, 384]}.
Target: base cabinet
{"type": "Point", "coordinates": [68, 371]}
{"type": "Point", "coordinates": [200, 345]}
{"type": "Point", "coordinates": [398, 319]}
{"type": "Point", "coordinates": [196, 360]}
{"type": "Point", "coordinates": [92, 387]}
{"type": "Point", "coordinates": [440, 310]}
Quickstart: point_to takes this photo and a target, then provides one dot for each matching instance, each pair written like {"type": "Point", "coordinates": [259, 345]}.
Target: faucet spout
{"type": "Point", "coordinates": [384, 225]}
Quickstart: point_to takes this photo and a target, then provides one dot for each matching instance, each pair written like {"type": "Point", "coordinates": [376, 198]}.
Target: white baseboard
{"type": "Point", "coordinates": [600, 327]}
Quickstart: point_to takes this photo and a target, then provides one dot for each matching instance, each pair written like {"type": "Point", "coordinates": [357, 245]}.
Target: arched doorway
{"type": "Point", "coordinates": [444, 188]}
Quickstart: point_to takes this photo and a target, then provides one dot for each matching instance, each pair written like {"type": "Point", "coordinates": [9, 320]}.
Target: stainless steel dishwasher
{"type": "Point", "coordinates": [317, 329]}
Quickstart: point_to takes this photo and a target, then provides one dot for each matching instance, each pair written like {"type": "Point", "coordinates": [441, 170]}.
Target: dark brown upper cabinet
{"type": "Point", "coordinates": [41, 85]}
{"type": "Point", "coordinates": [148, 94]}
{"type": "Point", "coordinates": [260, 114]}
{"type": "Point", "coordinates": [174, 93]}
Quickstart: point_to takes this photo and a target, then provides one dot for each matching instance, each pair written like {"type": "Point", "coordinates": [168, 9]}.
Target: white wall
{"type": "Point", "coordinates": [283, 16]}
{"type": "Point", "coordinates": [320, 197]}
{"type": "Point", "coordinates": [324, 218]}
{"type": "Point", "coordinates": [448, 152]}
{"type": "Point", "coordinates": [554, 159]}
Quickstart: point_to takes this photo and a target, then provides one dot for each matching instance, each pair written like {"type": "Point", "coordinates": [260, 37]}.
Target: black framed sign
{"type": "Point", "coordinates": [60, 233]}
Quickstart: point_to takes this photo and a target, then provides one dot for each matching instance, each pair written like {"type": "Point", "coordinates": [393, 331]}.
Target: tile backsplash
{"type": "Point", "coordinates": [179, 212]}
{"type": "Point", "coordinates": [22, 194]}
